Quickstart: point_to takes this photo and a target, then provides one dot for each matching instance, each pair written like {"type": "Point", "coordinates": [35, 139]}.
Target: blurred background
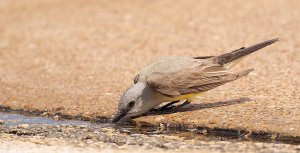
{"type": "Point", "coordinates": [76, 57]}
{"type": "Point", "coordinates": [89, 48]}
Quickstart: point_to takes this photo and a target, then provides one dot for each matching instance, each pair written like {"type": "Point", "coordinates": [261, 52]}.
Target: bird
{"type": "Point", "coordinates": [174, 79]}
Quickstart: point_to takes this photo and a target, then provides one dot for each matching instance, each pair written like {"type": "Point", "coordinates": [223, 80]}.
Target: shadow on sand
{"type": "Point", "coordinates": [192, 107]}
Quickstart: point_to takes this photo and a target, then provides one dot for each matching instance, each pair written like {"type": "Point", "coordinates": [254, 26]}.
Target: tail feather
{"type": "Point", "coordinates": [234, 76]}
{"type": "Point", "coordinates": [243, 73]}
{"type": "Point", "coordinates": [236, 54]}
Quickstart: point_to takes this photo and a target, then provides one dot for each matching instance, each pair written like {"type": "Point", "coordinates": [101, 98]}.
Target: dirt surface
{"type": "Point", "coordinates": [72, 138]}
{"type": "Point", "coordinates": [76, 57]}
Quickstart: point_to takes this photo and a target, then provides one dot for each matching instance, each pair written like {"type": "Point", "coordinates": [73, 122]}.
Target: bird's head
{"type": "Point", "coordinates": [131, 102]}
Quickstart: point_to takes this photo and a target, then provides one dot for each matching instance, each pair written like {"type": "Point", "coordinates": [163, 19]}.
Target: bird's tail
{"type": "Point", "coordinates": [230, 59]}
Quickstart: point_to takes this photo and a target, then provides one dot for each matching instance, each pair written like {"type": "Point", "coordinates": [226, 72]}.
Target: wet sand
{"type": "Point", "coordinates": [36, 145]}
{"type": "Point", "coordinates": [69, 138]}
{"type": "Point", "coordinates": [74, 58]}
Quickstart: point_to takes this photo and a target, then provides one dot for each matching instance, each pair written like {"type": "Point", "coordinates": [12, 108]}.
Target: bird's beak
{"type": "Point", "coordinates": [120, 114]}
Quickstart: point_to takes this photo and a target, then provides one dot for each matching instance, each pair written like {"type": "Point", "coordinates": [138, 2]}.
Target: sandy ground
{"type": "Point", "coordinates": [61, 146]}
{"type": "Point", "coordinates": [76, 57]}
{"type": "Point", "coordinates": [57, 147]}
{"type": "Point", "coordinates": [36, 145]}
{"type": "Point", "coordinates": [75, 139]}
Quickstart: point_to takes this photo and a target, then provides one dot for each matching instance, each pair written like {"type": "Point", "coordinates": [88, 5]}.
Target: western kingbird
{"type": "Point", "coordinates": [180, 78]}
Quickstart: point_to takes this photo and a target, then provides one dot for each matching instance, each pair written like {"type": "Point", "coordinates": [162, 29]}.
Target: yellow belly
{"type": "Point", "coordinates": [182, 97]}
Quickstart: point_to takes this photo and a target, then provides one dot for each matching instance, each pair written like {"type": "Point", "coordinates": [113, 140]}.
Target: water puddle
{"type": "Point", "coordinates": [14, 119]}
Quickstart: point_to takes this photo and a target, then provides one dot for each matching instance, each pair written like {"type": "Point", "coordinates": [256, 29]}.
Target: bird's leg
{"type": "Point", "coordinates": [170, 106]}
{"type": "Point", "coordinates": [183, 104]}
{"type": "Point", "coordinates": [165, 107]}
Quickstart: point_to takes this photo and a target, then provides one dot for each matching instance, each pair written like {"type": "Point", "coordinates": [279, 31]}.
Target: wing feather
{"type": "Point", "coordinates": [192, 80]}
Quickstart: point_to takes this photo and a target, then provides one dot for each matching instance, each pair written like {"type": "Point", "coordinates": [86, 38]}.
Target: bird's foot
{"type": "Point", "coordinates": [171, 106]}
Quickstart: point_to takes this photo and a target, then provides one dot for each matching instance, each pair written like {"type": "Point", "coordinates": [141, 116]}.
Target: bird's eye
{"type": "Point", "coordinates": [131, 104]}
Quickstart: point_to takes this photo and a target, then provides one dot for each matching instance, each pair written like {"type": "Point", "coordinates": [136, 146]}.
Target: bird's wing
{"type": "Point", "coordinates": [193, 80]}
